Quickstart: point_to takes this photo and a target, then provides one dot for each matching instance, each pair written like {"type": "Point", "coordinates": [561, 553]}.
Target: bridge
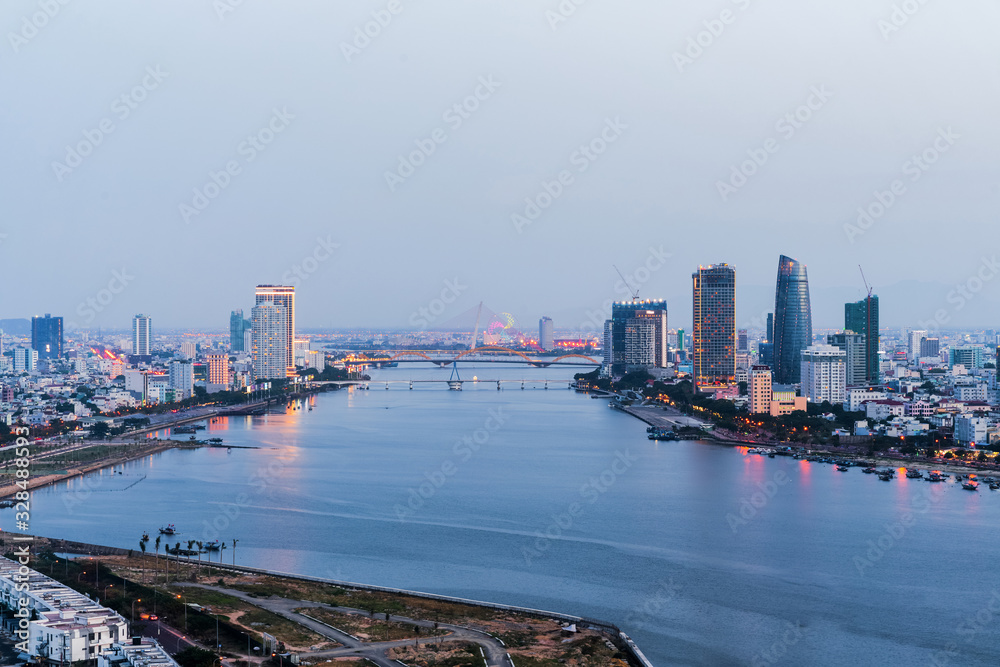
{"type": "Point", "coordinates": [492, 354]}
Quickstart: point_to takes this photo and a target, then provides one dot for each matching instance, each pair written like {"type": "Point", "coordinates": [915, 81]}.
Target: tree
{"type": "Point", "coordinates": [142, 545]}
{"type": "Point", "coordinates": [157, 561]}
{"type": "Point", "coordinates": [100, 430]}
{"type": "Point", "coordinates": [234, 550]}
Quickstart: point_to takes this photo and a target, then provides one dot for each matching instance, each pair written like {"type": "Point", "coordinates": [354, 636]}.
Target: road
{"type": "Point", "coordinates": [496, 654]}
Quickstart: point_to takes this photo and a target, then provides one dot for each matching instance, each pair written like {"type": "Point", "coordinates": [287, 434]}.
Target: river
{"type": "Point", "coordinates": [546, 498]}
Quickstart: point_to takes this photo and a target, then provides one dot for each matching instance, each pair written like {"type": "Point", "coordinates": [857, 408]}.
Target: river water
{"type": "Point", "coordinates": [546, 498]}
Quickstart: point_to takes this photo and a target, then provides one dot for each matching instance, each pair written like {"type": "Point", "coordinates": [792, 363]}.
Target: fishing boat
{"type": "Point", "coordinates": [169, 530]}
{"type": "Point", "coordinates": [970, 485]}
{"type": "Point", "coordinates": [843, 468]}
{"type": "Point", "coordinates": [215, 545]}
{"type": "Point", "coordinates": [914, 474]}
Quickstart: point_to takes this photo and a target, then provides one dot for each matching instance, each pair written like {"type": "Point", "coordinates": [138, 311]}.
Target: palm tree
{"type": "Point", "coordinates": [234, 550]}
{"type": "Point", "coordinates": [199, 557]}
{"type": "Point", "coordinates": [157, 561]}
{"type": "Point", "coordinates": [142, 545]}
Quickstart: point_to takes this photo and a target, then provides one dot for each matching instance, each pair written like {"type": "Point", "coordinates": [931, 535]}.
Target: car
{"type": "Point", "coordinates": [154, 617]}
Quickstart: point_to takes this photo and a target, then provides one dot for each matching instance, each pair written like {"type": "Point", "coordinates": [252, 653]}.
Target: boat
{"type": "Point", "coordinates": [215, 545]}
{"type": "Point", "coordinates": [843, 468]}
{"type": "Point", "coordinates": [970, 485]}
{"type": "Point", "coordinates": [662, 434]}
{"type": "Point", "coordinates": [935, 477]}
{"type": "Point", "coordinates": [914, 474]}
{"type": "Point", "coordinates": [994, 486]}
{"type": "Point", "coordinates": [868, 471]}
{"type": "Point", "coordinates": [885, 478]}
{"type": "Point", "coordinates": [169, 530]}
{"type": "Point", "coordinates": [184, 429]}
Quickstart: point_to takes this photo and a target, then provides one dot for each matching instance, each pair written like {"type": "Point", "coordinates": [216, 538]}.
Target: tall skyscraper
{"type": "Point", "coordinates": [270, 341]}
{"type": "Point", "coordinates": [792, 320]}
{"type": "Point", "coordinates": [25, 359]}
{"type": "Point", "coordinates": [237, 328]}
{"type": "Point", "coordinates": [913, 343]}
{"type": "Point", "coordinates": [141, 335]}
{"type": "Point", "coordinates": [218, 369]}
{"type": "Point", "coordinates": [628, 349]}
{"type": "Point", "coordinates": [47, 336]}
{"type": "Point", "coordinates": [181, 379]}
{"type": "Point", "coordinates": [545, 333]}
{"type": "Point", "coordinates": [930, 347]}
{"type": "Point", "coordinates": [862, 317]}
{"type": "Point", "coordinates": [770, 328]}
{"type": "Point", "coordinates": [285, 297]}
{"type": "Point", "coordinates": [853, 345]}
{"type": "Point", "coordinates": [713, 341]}
{"type": "Point", "coordinates": [742, 341]}
{"type": "Point", "coordinates": [824, 374]}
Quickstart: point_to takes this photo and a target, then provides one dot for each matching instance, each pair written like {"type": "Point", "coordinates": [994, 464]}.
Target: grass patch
{"type": "Point", "coordinates": [368, 629]}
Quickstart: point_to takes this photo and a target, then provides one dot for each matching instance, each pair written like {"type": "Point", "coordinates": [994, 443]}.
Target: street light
{"type": "Point", "coordinates": [133, 608]}
{"type": "Point", "coordinates": [79, 577]}
{"type": "Point", "coordinates": [106, 590]}
{"type": "Point", "coordinates": [184, 603]}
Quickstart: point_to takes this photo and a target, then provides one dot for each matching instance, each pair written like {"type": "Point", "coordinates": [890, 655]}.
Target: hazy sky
{"type": "Point", "coordinates": [187, 88]}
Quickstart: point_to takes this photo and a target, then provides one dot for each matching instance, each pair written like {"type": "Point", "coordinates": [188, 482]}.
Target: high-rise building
{"type": "Point", "coordinates": [270, 343]}
{"type": "Point", "coordinates": [770, 328]}
{"type": "Point", "coordinates": [930, 347]}
{"type": "Point", "coordinates": [970, 356]}
{"type": "Point", "coordinates": [545, 333]}
{"type": "Point", "coordinates": [913, 343]}
{"type": "Point", "coordinates": [824, 374]}
{"type": "Point", "coordinates": [608, 347]}
{"type": "Point", "coordinates": [623, 314]}
{"type": "Point", "coordinates": [680, 339]}
{"type": "Point", "coordinates": [853, 345]}
{"type": "Point", "coordinates": [237, 328]}
{"type": "Point", "coordinates": [285, 297]}
{"type": "Point", "coordinates": [141, 335]}
{"type": "Point", "coordinates": [862, 317]}
{"type": "Point", "coordinates": [181, 379]}
{"type": "Point", "coordinates": [47, 336]}
{"type": "Point", "coordinates": [792, 320]}
{"type": "Point", "coordinates": [713, 345]}
{"type": "Point", "coordinates": [760, 390]}
{"type": "Point", "coordinates": [218, 369]}
{"type": "Point", "coordinates": [25, 359]}
{"type": "Point", "coordinates": [742, 341]}
{"type": "Point", "coordinates": [640, 342]}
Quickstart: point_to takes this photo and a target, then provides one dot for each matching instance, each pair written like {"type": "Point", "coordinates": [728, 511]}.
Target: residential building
{"type": "Point", "coordinates": [863, 317]}
{"type": "Point", "coordinates": [141, 335]}
{"type": "Point", "coordinates": [973, 392]}
{"type": "Point", "coordinates": [713, 345]}
{"type": "Point", "coordinates": [283, 296]}
{"type": "Point", "coordinates": [624, 328]}
{"type": "Point", "coordinates": [784, 400]}
{"type": "Point", "coordinates": [181, 379]}
{"type": "Point", "coordinates": [545, 333]}
{"type": "Point", "coordinates": [189, 349]}
{"type": "Point", "coordinates": [25, 359]}
{"type": "Point", "coordinates": [856, 398]}
{"type": "Point", "coordinates": [853, 345]}
{"type": "Point", "coordinates": [792, 320]}
{"type": "Point", "coordinates": [914, 342]}
{"type": "Point", "coordinates": [47, 336]}
{"type": "Point", "coordinates": [270, 344]}
{"type": "Point", "coordinates": [823, 373]}
{"type": "Point", "coordinates": [884, 409]}
{"type": "Point", "coordinates": [970, 356]}
{"type": "Point", "coordinates": [608, 361]}
{"type": "Point", "coordinates": [218, 369]}
{"type": "Point", "coordinates": [930, 347]}
{"type": "Point", "coordinates": [742, 341]}
{"type": "Point", "coordinates": [137, 652]}
{"type": "Point", "coordinates": [759, 390]}
{"type": "Point", "coordinates": [970, 430]}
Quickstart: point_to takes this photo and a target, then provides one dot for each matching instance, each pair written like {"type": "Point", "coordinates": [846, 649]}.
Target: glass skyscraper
{"type": "Point", "coordinates": [47, 336]}
{"type": "Point", "coordinates": [629, 335]}
{"type": "Point", "coordinates": [713, 343]}
{"type": "Point", "coordinates": [862, 317]}
{"type": "Point", "coordinates": [792, 320]}
{"type": "Point", "coordinates": [237, 328]}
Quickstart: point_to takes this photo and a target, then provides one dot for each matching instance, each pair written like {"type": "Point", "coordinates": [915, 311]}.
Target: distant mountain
{"type": "Point", "coordinates": [16, 327]}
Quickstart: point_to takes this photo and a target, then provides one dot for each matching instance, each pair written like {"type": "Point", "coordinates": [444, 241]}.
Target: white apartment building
{"type": "Point", "coordinates": [970, 430]}
{"type": "Point", "coordinates": [824, 374]}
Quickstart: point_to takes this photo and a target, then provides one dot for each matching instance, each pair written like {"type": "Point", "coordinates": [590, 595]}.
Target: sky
{"type": "Point", "coordinates": [401, 161]}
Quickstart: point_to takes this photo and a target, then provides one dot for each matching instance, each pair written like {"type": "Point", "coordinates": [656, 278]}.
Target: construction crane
{"type": "Point", "coordinates": [865, 280]}
{"type": "Point", "coordinates": [634, 293]}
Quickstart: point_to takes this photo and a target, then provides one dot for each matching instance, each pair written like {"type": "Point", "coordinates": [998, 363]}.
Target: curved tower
{"type": "Point", "coordinates": [792, 320]}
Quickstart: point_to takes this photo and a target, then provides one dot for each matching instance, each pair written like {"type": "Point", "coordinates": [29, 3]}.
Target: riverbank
{"type": "Point", "coordinates": [371, 621]}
